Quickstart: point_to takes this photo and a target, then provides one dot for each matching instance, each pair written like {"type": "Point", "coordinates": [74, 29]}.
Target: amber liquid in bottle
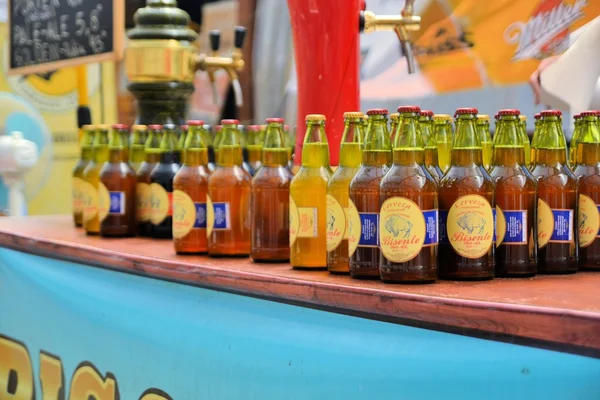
{"type": "Point", "coordinates": [91, 178]}
{"type": "Point", "coordinates": [85, 158]}
{"type": "Point", "coordinates": [143, 207]}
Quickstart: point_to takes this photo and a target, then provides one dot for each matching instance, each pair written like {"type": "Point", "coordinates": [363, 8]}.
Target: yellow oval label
{"type": "Point", "coordinates": [545, 223]}
{"type": "Point", "coordinates": [336, 223]}
{"type": "Point", "coordinates": [352, 227]}
{"type": "Point", "coordinates": [210, 216]}
{"type": "Point", "coordinates": [184, 214]}
{"type": "Point", "coordinates": [401, 229]}
{"type": "Point", "coordinates": [77, 195]}
{"type": "Point", "coordinates": [500, 226]}
{"type": "Point", "coordinates": [294, 221]}
{"type": "Point", "coordinates": [103, 201]}
{"type": "Point", "coordinates": [143, 200]}
{"type": "Point", "coordinates": [89, 195]}
{"type": "Point", "coordinates": [470, 226]}
{"type": "Point", "coordinates": [588, 221]}
{"type": "Point", "coordinates": [159, 203]}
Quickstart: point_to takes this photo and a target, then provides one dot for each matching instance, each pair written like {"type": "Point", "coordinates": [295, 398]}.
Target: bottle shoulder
{"type": "Point", "coordinates": [198, 174]}
{"type": "Point", "coordinates": [272, 176]}
{"type": "Point", "coordinates": [474, 177]}
{"type": "Point", "coordinates": [310, 173]}
{"type": "Point", "coordinates": [554, 175]}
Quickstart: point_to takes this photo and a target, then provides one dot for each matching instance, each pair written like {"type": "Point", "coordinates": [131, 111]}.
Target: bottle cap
{"type": "Point", "coordinates": [195, 122]}
{"type": "Point", "coordinates": [138, 128]}
{"type": "Point", "coordinates": [87, 127]}
{"type": "Point", "coordinates": [537, 116]}
{"type": "Point", "coordinates": [377, 111]}
{"type": "Point", "coordinates": [253, 128]}
{"type": "Point", "coordinates": [522, 118]}
{"type": "Point", "coordinates": [409, 109]}
{"type": "Point", "coordinates": [315, 117]}
{"type": "Point", "coordinates": [169, 126]}
{"type": "Point", "coordinates": [229, 122]}
{"type": "Point", "coordinates": [463, 111]}
{"type": "Point", "coordinates": [442, 117]}
{"type": "Point", "coordinates": [589, 113]}
{"type": "Point", "coordinates": [185, 127]}
{"type": "Point", "coordinates": [155, 127]}
{"type": "Point", "coordinates": [286, 127]}
{"type": "Point", "coordinates": [508, 111]}
{"type": "Point", "coordinates": [274, 120]}
{"type": "Point", "coordinates": [426, 113]}
{"type": "Point", "coordinates": [395, 116]}
{"type": "Point", "coordinates": [353, 114]}
{"type": "Point", "coordinates": [551, 113]}
{"type": "Point", "coordinates": [103, 127]}
{"type": "Point", "coordinates": [120, 127]}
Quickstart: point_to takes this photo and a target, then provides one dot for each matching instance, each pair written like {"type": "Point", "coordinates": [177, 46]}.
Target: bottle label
{"type": "Point", "coordinates": [545, 223]}
{"type": "Point", "coordinates": [103, 202]}
{"type": "Point", "coordinates": [588, 221]}
{"type": "Point", "coordinates": [161, 203]}
{"type": "Point", "coordinates": [369, 235]}
{"type": "Point", "coordinates": [187, 215]}
{"type": "Point", "coordinates": [294, 221]}
{"type": "Point", "coordinates": [143, 198]}
{"type": "Point", "coordinates": [554, 225]}
{"type": "Point", "coordinates": [511, 226]}
{"type": "Point", "coordinates": [336, 223]}
{"type": "Point", "coordinates": [89, 194]}
{"type": "Point", "coordinates": [78, 199]}
{"type": "Point", "coordinates": [210, 216]}
{"type": "Point", "coordinates": [405, 229]}
{"type": "Point", "coordinates": [308, 218]}
{"type": "Point", "coordinates": [222, 216]}
{"type": "Point", "coordinates": [470, 226]}
{"type": "Point", "coordinates": [352, 227]}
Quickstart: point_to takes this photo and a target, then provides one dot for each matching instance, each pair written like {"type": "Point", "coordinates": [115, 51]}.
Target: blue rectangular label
{"type": "Point", "coordinates": [200, 221]}
{"type": "Point", "coordinates": [494, 214]}
{"type": "Point", "coordinates": [563, 226]}
{"type": "Point", "coordinates": [222, 218]}
{"type": "Point", "coordinates": [369, 235]}
{"type": "Point", "coordinates": [431, 227]}
{"type": "Point", "coordinates": [117, 203]}
{"type": "Point", "coordinates": [516, 227]}
{"type": "Point", "coordinates": [442, 227]}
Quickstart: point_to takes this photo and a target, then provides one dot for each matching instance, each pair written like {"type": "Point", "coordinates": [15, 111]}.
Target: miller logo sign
{"type": "Point", "coordinates": [547, 30]}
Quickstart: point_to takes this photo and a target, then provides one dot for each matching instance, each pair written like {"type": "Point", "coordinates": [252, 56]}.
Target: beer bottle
{"type": "Point", "coordinates": [365, 122]}
{"type": "Point", "coordinates": [270, 199]}
{"type": "Point", "coordinates": [573, 146]}
{"type": "Point", "coordinates": [86, 154]}
{"type": "Point", "coordinates": [394, 123]}
{"type": "Point", "coordinates": [308, 204]}
{"type": "Point", "coordinates": [116, 190]}
{"type": "Point", "coordinates": [466, 198]}
{"type": "Point", "coordinates": [525, 139]}
{"type": "Point", "coordinates": [516, 223]}
{"type": "Point", "coordinates": [341, 242]}
{"type": "Point", "coordinates": [161, 184]}
{"type": "Point", "coordinates": [425, 126]}
{"type": "Point", "coordinates": [229, 193]}
{"type": "Point", "coordinates": [183, 131]}
{"type": "Point", "coordinates": [91, 178]}
{"type": "Point", "coordinates": [216, 142]}
{"type": "Point", "coordinates": [442, 129]}
{"type": "Point", "coordinates": [483, 128]}
{"type": "Point", "coordinates": [137, 153]}
{"type": "Point", "coordinates": [557, 197]}
{"type": "Point", "coordinates": [408, 223]}
{"type": "Point", "coordinates": [143, 195]}
{"type": "Point", "coordinates": [254, 147]}
{"type": "Point", "coordinates": [587, 172]}
{"type": "Point", "coordinates": [364, 195]}
{"type": "Point", "coordinates": [190, 186]}
{"type": "Point", "coordinates": [209, 140]}
{"type": "Point", "coordinates": [290, 142]}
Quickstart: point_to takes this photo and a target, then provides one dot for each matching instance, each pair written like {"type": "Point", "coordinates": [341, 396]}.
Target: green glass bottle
{"type": "Point", "coordinates": [91, 178]}
{"type": "Point", "coordinates": [574, 139]}
{"type": "Point", "coordinates": [364, 195]}
{"type": "Point", "coordinates": [86, 154]}
{"type": "Point", "coordinates": [426, 128]}
{"type": "Point", "coordinates": [483, 128]}
{"type": "Point", "coordinates": [137, 152]}
{"type": "Point", "coordinates": [394, 122]}
{"type": "Point", "coordinates": [216, 142]}
{"type": "Point", "coordinates": [182, 134]}
{"type": "Point", "coordinates": [525, 139]}
{"type": "Point", "coordinates": [254, 147]}
{"type": "Point", "coordinates": [341, 243]}
{"type": "Point", "coordinates": [442, 129]}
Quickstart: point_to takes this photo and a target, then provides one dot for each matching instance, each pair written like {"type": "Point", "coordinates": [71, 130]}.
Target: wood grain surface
{"type": "Point", "coordinates": [557, 312]}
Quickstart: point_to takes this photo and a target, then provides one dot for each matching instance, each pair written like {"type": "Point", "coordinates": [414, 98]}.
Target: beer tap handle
{"type": "Point", "coordinates": [215, 40]}
{"type": "Point", "coordinates": [239, 36]}
{"type": "Point", "coordinates": [408, 9]}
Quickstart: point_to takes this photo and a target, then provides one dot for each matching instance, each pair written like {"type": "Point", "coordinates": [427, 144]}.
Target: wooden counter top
{"type": "Point", "coordinates": [558, 312]}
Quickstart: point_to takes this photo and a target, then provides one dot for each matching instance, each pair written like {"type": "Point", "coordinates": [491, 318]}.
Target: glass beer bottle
{"type": "Point", "coordinates": [425, 126]}
{"type": "Point", "coordinates": [557, 197]}
{"type": "Point", "coordinates": [143, 195]}
{"type": "Point", "coordinates": [442, 129]}
{"type": "Point", "coordinates": [161, 184]}
{"type": "Point", "coordinates": [408, 222]}
{"type": "Point", "coordinates": [183, 131]}
{"type": "Point", "coordinates": [270, 199]}
{"type": "Point", "coordinates": [516, 222]}
{"type": "Point", "coordinates": [91, 180]}
{"type": "Point", "coordinates": [216, 142]}
{"type": "Point", "coordinates": [254, 147]}
{"type": "Point", "coordinates": [137, 152]}
{"type": "Point", "coordinates": [190, 186]}
{"type": "Point", "coordinates": [208, 138]}
{"type": "Point", "coordinates": [587, 171]}
{"type": "Point", "coordinates": [229, 193]}
{"type": "Point", "coordinates": [86, 154]}
{"type": "Point", "coordinates": [483, 128]}
{"type": "Point", "coordinates": [394, 123]}
{"type": "Point", "coordinates": [364, 195]}
{"type": "Point", "coordinates": [308, 203]}
{"type": "Point", "coordinates": [466, 201]}
{"type": "Point", "coordinates": [574, 139]}
{"type": "Point", "coordinates": [289, 139]}
{"type": "Point", "coordinates": [525, 139]}
{"type": "Point", "coordinates": [116, 190]}
{"type": "Point", "coordinates": [341, 242]}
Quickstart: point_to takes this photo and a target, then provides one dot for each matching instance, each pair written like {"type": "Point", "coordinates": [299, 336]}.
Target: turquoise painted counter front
{"type": "Point", "coordinates": [192, 343]}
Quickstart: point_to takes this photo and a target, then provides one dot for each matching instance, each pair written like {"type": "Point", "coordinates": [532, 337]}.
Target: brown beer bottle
{"type": "Point", "coordinates": [137, 152]}
{"type": "Point", "coordinates": [430, 143]}
{"type": "Point", "coordinates": [254, 147]}
{"type": "Point", "coordinates": [87, 153]}
{"type": "Point", "coordinates": [229, 194]}
{"type": "Point", "coordinates": [270, 199]}
{"type": "Point", "coordinates": [587, 171]}
{"type": "Point", "coordinates": [91, 181]}
{"type": "Point", "coordinates": [466, 198]}
{"type": "Point", "coordinates": [190, 186]}
{"type": "Point", "coordinates": [394, 123]}
{"type": "Point", "coordinates": [408, 219]}
{"type": "Point", "coordinates": [364, 195]}
{"type": "Point", "coordinates": [116, 190]}
{"type": "Point", "coordinates": [557, 197]}
{"type": "Point", "coordinates": [143, 195]}
{"type": "Point", "coordinates": [516, 222]}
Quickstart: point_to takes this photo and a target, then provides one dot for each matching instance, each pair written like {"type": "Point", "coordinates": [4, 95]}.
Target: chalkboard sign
{"type": "Point", "coordinates": [46, 35]}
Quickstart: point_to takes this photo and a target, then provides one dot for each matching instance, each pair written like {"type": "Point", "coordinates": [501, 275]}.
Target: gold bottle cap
{"type": "Point", "coordinates": [395, 116]}
{"type": "Point", "coordinates": [442, 117]}
{"type": "Point", "coordinates": [483, 117]}
{"type": "Point", "coordinates": [88, 127]}
{"type": "Point", "coordinates": [353, 114]}
{"type": "Point", "coordinates": [523, 117]}
{"type": "Point", "coordinates": [315, 117]}
{"type": "Point", "coordinates": [104, 127]}
{"type": "Point", "coordinates": [139, 127]}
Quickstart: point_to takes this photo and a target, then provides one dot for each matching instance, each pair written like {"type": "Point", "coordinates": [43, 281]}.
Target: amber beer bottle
{"type": "Point", "coordinates": [137, 152]}
{"type": "Point", "coordinates": [308, 203]}
{"type": "Point", "coordinates": [364, 195]}
{"type": "Point", "coordinates": [254, 147]}
{"type": "Point", "coordinates": [408, 223]}
{"type": "Point", "coordinates": [229, 193]}
{"type": "Point", "coordinates": [161, 184]}
{"type": "Point", "coordinates": [182, 135]}
{"type": "Point", "coordinates": [190, 186]}
{"type": "Point", "coordinates": [516, 223]}
{"type": "Point", "coordinates": [341, 237]}
{"type": "Point", "coordinates": [86, 154]}
{"type": "Point", "coordinates": [557, 197]}
{"type": "Point", "coordinates": [143, 195]}
{"type": "Point", "coordinates": [466, 197]}
{"type": "Point", "coordinates": [91, 178]}
{"type": "Point", "coordinates": [525, 139]}
{"type": "Point", "coordinates": [483, 128]}
{"type": "Point", "coordinates": [394, 123]}
{"type": "Point", "coordinates": [116, 190]}
{"type": "Point", "coordinates": [574, 139]}
{"type": "Point", "coordinates": [442, 129]}
{"type": "Point", "coordinates": [270, 199]}
{"type": "Point", "coordinates": [587, 172]}
{"type": "Point", "coordinates": [430, 143]}
{"type": "Point", "coordinates": [209, 140]}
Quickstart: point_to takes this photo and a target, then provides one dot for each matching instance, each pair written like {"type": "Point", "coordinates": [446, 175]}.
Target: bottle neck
{"type": "Point", "coordinates": [274, 152]}
{"type": "Point", "coordinates": [408, 146]}
{"type": "Point", "coordinates": [466, 147]}
{"type": "Point", "coordinates": [351, 146]}
{"type": "Point", "coordinates": [588, 142]}
{"type": "Point", "coordinates": [315, 150]}
{"type": "Point", "coordinates": [508, 146]}
{"type": "Point", "coordinates": [377, 147]}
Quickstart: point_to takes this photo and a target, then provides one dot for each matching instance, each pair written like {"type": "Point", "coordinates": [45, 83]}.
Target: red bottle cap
{"type": "Point", "coordinates": [121, 127]}
{"type": "Point", "coordinates": [274, 120]}
{"type": "Point", "coordinates": [377, 111]}
{"type": "Point", "coordinates": [409, 109]}
{"type": "Point", "coordinates": [195, 122]}
{"type": "Point", "coordinates": [229, 122]}
{"type": "Point", "coordinates": [589, 113]}
{"type": "Point", "coordinates": [537, 116]}
{"type": "Point", "coordinates": [286, 127]}
{"type": "Point", "coordinates": [155, 127]}
{"type": "Point", "coordinates": [551, 113]}
{"type": "Point", "coordinates": [184, 127]}
{"type": "Point", "coordinates": [463, 111]}
{"type": "Point", "coordinates": [510, 111]}
{"type": "Point", "coordinates": [427, 113]}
